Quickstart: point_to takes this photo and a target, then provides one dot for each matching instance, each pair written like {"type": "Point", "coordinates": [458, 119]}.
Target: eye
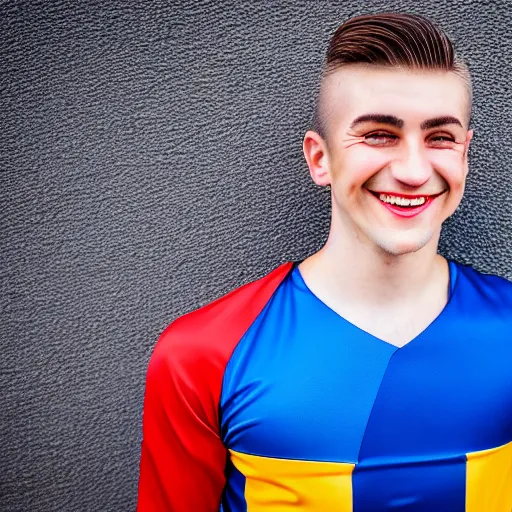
{"type": "Point", "coordinates": [380, 139]}
{"type": "Point", "coordinates": [441, 140]}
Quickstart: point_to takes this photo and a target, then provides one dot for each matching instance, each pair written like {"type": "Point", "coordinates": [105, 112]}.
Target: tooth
{"type": "Point", "coordinates": [402, 201]}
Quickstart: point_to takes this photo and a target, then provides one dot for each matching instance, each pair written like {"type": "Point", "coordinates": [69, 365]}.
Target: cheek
{"type": "Point", "coordinates": [360, 164]}
{"type": "Point", "coordinates": [450, 166]}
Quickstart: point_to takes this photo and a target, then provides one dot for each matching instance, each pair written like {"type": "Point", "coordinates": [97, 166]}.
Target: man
{"type": "Point", "coordinates": [374, 375]}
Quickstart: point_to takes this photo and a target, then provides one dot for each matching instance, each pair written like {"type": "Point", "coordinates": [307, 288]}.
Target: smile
{"type": "Point", "coordinates": [403, 201]}
{"type": "Point", "coordinates": [405, 205]}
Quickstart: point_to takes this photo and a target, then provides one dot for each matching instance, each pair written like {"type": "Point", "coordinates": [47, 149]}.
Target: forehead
{"type": "Point", "coordinates": [408, 94]}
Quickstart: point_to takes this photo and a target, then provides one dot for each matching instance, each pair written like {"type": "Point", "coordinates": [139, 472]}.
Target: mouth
{"type": "Point", "coordinates": [405, 205]}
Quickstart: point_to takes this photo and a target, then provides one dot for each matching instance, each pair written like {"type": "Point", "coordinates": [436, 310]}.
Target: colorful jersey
{"type": "Point", "coordinates": [268, 400]}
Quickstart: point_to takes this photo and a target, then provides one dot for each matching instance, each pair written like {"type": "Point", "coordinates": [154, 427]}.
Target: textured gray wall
{"type": "Point", "coordinates": [150, 160]}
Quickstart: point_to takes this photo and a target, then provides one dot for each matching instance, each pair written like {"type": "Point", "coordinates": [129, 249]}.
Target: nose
{"type": "Point", "coordinates": [412, 167]}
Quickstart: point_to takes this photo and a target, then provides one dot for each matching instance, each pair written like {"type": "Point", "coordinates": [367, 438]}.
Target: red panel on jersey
{"type": "Point", "coordinates": [183, 459]}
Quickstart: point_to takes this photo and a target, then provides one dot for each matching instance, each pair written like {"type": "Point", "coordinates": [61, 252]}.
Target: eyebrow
{"type": "Point", "coordinates": [439, 121]}
{"type": "Point", "coordinates": [378, 118]}
{"type": "Point", "coordinates": [435, 122]}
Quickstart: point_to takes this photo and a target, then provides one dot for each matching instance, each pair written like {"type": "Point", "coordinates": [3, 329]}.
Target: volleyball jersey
{"type": "Point", "coordinates": [267, 400]}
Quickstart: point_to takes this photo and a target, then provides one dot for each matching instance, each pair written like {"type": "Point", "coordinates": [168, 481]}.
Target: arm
{"type": "Point", "coordinates": [183, 459]}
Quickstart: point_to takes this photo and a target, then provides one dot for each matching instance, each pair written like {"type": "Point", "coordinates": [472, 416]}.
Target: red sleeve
{"type": "Point", "coordinates": [183, 458]}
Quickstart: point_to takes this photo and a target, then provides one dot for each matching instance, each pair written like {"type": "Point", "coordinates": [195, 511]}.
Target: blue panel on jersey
{"type": "Point", "coordinates": [453, 278]}
{"type": "Point", "coordinates": [302, 381]}
{"type": "Point", "coordinates": [431, 486]}
{"type": "Point", "coordinates": [446, 393]}
{"type": "Point", "coordinates": [233, 497]}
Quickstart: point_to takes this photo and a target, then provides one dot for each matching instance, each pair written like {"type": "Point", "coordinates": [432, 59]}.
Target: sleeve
{"type": "Point", "coordinates": [182, 458]}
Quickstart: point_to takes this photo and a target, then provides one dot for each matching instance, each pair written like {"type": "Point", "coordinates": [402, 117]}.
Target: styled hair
{"type": "Point", "coordinates": [395, 40]}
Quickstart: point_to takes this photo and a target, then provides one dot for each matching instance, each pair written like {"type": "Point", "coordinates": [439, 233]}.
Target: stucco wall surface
{"type": "Point", "coordinates": [150, 161]}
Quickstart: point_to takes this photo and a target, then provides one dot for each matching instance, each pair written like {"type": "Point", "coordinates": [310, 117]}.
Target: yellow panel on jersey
{"type": "Point", "coordinates": [489, 480]}
{"type": "Point", "coordinates": [284, 485]}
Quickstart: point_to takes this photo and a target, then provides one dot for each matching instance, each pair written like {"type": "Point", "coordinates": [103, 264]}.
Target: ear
{"type": "Point", "coordinates": [469, 136]}
{"type": "Point", "coordinates": [317, 158]}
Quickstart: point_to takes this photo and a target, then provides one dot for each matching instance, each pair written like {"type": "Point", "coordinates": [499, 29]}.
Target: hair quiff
{"type": "Point", "coordinates": [394, 40]}
{"type": "Point", "coordinates": [391, 39]}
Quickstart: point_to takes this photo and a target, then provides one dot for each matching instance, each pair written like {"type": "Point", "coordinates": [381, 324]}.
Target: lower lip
{"type": "Point", "coordinates": [406, 212]}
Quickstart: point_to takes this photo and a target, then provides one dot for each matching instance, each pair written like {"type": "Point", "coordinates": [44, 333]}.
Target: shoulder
{"type": "Point", "coordinates": [491, 289]}
{"type": "Point", "coordinates": [208, 335]}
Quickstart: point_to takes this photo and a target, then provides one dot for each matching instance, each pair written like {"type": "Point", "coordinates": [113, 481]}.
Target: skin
{"type": "Point", "coordinates": [395, 131]}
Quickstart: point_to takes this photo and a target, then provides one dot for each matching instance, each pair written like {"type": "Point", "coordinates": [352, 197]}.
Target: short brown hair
{"type": "Point", "coordinates": [394, 40]}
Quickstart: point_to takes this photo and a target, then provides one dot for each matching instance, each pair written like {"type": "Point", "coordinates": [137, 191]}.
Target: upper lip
{"type": "Point", "coordinates": [405, 196]}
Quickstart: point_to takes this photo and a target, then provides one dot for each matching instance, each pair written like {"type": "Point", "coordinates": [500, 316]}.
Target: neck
{"type": "Point", "coordinates": [363, 273]}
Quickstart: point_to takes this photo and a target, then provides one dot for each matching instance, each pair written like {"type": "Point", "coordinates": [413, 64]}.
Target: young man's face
{"type": "Point", "coordinates": [394, 153]}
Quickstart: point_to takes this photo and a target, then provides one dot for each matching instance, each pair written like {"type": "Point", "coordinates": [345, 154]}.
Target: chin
{"type": "Point", "coordinates": [397, 244]}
